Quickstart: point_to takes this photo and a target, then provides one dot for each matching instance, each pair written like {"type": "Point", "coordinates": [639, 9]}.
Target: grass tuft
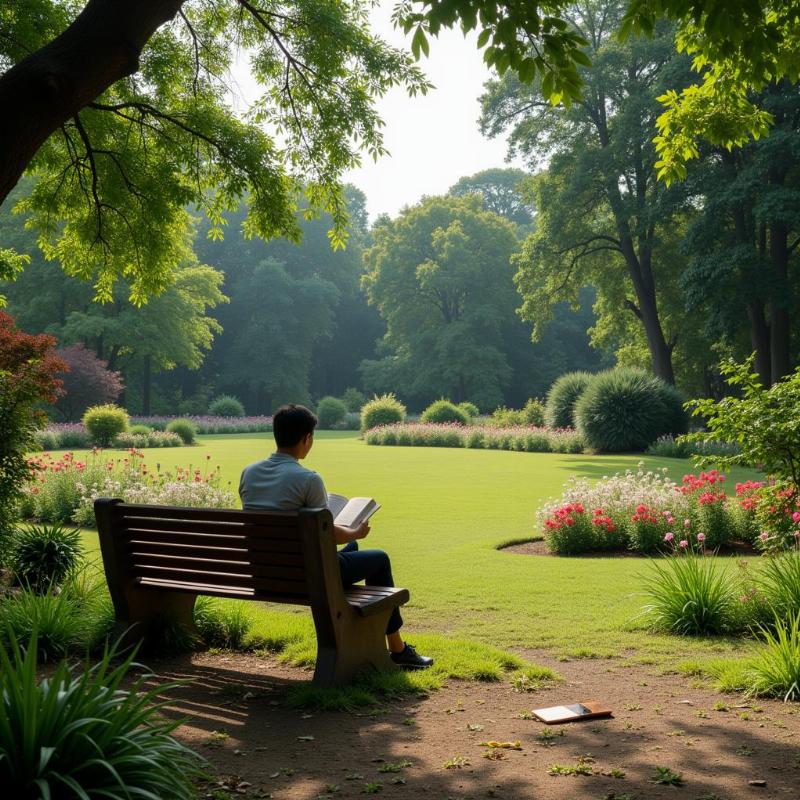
{"type": "Point", "coordinates": [689, 595]}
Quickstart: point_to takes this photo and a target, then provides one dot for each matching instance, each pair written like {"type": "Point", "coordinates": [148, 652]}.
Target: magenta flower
{"type": "Point", "coordinates": [701, 537]}
{"type": "Point", "coordinates": [796, 516]}
{"type": "Point", "coordinates": [683, 543]}
{"type": "Point", "coordinates": [763, 536]}
{"type": "Point", "coordinates": [668, 537]}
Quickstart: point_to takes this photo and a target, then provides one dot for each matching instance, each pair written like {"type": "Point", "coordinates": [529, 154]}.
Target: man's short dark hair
{"type": "Point", "coordinates": [292, 423]}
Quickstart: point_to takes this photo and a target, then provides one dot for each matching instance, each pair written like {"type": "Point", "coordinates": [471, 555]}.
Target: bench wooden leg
{"type": "Point", "coordinates": [359, 644]}
{"type": "Point", "coordinates": [146, 612]}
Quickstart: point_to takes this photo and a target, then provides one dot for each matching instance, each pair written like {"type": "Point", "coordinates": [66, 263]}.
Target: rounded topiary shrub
{"type": "Point", "coordinates": [185, 428]}
{"type": "Point", "coordinates": [353, 399]}
{"type": "Point", "coordinates": [105, 422]}
{"type": "Point", "coordinates": [140, 430]}
{"type": "Point", "coordinates": [561, 399]}
{"type": "Point", "coordinates": [626, 409]}
{"type": "Point", "coordinates": [533, 412]}
{"type": "Point", "coordinates": [331, 412]}
{"type": "Point", "coordinates": [444, 411]}
{"type": "Point", "coordinates": [677, 419]}
{"type": "Point", "coordinates": [226, 405]}
{"type": "Point", "coordinates": [470, 409]}
{"type": "Point", "coordinates": [383, 410]}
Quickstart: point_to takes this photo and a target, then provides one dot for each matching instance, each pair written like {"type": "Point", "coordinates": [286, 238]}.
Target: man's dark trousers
{"type": "Point", "coordinates": [371, 566]}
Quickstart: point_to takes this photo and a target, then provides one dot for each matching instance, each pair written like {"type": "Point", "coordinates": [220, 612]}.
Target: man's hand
{"type": "Point", "coordinates": [361, 531]}
{"type": "Point", "coordinates": [343, 535]}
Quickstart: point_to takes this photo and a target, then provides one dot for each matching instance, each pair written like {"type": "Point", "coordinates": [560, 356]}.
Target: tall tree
{"type": "Point", "coordinates": [119, 109]}
{"type": "Point", "coordinates": [602, 215]}
{"type": "Point", "coordinates": [440, 276]}
{"type": "Point", "coordinates": [501, 192]}
{"type": "Point", "coordinates": [342, 328]}
{"type": "Point", "coordinates": [744, 243]}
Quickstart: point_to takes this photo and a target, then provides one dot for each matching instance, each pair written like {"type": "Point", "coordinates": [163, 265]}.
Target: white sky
{"type": "Point", "coordinates": [432, 140]}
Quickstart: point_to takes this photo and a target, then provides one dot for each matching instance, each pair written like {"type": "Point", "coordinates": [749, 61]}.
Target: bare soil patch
{"type": "Point", "coordinates": [235, 713]}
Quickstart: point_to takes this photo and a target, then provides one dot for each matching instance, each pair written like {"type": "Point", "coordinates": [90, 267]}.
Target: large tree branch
{"type": "Point", "coordinates": [50, 86]}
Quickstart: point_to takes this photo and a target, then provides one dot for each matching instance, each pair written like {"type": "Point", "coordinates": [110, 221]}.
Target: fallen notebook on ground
{"type": "Point", "coordinates": [590, 709]}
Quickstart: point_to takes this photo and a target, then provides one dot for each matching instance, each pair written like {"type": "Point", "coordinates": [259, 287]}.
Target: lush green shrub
{"type": "Point", "coordinates": [331, 412]}
{"type": "Point", "coordinates": [82, 735]}
{"type": "Point", "coordinates": [470, 409]}
{"type": "Point", "coordinates": [503, 417]}
{"type": "Point", "coordinates": [185, 428]}
{"type": "Point", "coordinates": [533, 412]}
{"type": "Point", "coordinates": [689, 595]}
{"type": "Point", "coordinates": [562, 397]}
{"type": "Point", "coordinates": [443, 411]}
{"type": "Point", "coordinates": [105, 422]}
{"type": "Point", "coordinates": [762, 424]}
{"type": "Point", "coordinates": [353, 399]}
{"type": "Point", "coordinates": [140, 430]}
{"type": "Point", "coordinates": [226, 405]}
{"type": "Point", "coordinates": [383, 410]}
{"type": "Point", "coordinates": [221, 623]}
{"type": "Point", "coordinates": [44, 555]}
{"type": "Point", "coordinates": [626, 409]}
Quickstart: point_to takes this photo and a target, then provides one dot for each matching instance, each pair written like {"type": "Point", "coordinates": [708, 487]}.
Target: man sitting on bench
{"type": "Point", "coordinates": [281, 483]}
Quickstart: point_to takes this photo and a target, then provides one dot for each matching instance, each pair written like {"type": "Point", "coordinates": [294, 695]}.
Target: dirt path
{"type": "Point", "coordinates": [258, 747]}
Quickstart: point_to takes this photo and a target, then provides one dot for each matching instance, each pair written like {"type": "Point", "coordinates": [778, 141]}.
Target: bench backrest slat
{"type": "Point", "coordinates": [255, 552]}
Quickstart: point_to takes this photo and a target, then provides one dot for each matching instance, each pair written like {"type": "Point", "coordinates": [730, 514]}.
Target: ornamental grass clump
{"type": "Point", "coordinates": [77, 733]}
{"type": "Point", "coordinates": [689, 594]}
{"type": "Point", "coordinates": [383, 410]}
{"type": "Point", "coordinates": [44, 555]}
{"type": "Point", "coordinates": [626, 409]}
{"type": "Point", "coordinates": [779, 582]}
{"type": "Point", "coordinates": [562, 397]}
{"type": "Point", "coordinates": [774, 667]}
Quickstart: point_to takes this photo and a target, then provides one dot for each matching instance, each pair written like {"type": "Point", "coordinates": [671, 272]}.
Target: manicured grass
{"type": "Point", "coordinates": [444, 512]}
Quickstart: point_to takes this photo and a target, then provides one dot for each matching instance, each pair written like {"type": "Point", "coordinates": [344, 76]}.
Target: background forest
{"type": "Point", "coordinates": [579, 261]}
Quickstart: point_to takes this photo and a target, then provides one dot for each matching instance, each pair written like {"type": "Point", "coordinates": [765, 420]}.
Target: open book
{"type": "Point", "coordinates": [351, 513]}
{"type": "Point", "coordinates": [589, 709]}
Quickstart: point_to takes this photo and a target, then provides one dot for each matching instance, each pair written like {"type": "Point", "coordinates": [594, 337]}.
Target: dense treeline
{"type": "Point", "coordinates": [585, 249]}
{"type": "Point", "coordinates": [271, 322]}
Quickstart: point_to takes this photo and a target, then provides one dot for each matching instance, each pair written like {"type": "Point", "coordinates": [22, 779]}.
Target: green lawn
{"type": "Point", "coordinates": [445, 511]}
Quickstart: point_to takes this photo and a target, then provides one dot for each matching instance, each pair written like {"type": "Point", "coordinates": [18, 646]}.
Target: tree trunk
{"type": "Point", "coordinates": [647, 311]}
{"type": "Point", "coordinates": [147, 379]}
{"type": "Point", "coordinates": [780, 324]}
{"type": "Point", "coordinates": [45, 89]}
{"type": "Point", "coordinates": [760, 341]}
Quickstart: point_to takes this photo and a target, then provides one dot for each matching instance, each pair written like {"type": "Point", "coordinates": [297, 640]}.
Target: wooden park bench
{"type": "Point", "coordinates": [157, 560]}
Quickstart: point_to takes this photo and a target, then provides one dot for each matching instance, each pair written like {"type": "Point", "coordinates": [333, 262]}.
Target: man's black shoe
{"type": "Point", "coordinates": [409, 658]}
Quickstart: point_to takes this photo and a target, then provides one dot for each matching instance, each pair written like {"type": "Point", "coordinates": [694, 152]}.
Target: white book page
{"type": "Point", "coordinates": [336, 502]}
{"type": "Point", "coordinates": [357, 510]}
{"type": "Point", "coordinates": [555, 713]}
